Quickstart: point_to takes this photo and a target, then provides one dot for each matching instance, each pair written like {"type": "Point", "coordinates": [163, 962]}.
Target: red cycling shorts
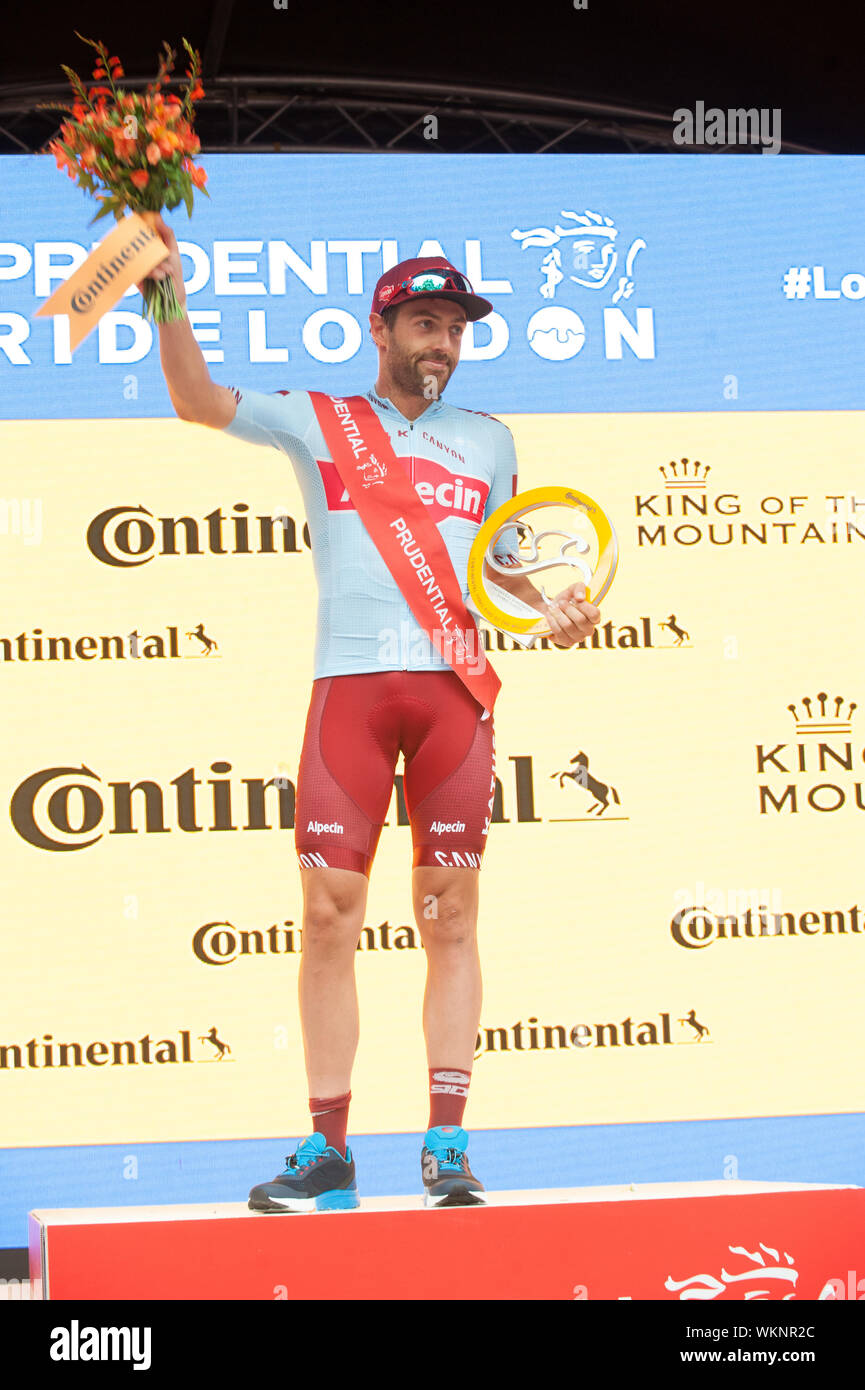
{"type": "Point", "coordinates": [356, 728]}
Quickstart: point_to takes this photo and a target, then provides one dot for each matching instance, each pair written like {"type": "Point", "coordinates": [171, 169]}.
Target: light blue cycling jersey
{"type": "Point", "coordinates": [463, 465]}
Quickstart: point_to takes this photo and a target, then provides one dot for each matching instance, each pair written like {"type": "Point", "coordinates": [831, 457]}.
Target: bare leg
{"type": "Point", "coordinates": [334, 902]}
{"type": "Point", "coordinates": [446, 912]}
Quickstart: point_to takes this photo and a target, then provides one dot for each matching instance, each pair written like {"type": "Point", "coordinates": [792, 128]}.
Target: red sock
{"type": "Point", "coordinates": [331, 1119]}
{"type": "Point", "coordinates": [448, 1093]}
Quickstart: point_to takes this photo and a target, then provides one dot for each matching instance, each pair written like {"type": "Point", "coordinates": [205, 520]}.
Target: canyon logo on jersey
{"type": "Point", "coordinates": [445, 493]}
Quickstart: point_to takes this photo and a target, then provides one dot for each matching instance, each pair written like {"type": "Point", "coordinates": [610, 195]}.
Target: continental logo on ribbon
{"type": "Point", "coordinates": [126, 256]}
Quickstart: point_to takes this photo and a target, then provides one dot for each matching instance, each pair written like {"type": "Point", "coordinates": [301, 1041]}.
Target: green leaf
{"type": "Point", "coordinates": [108, 205]}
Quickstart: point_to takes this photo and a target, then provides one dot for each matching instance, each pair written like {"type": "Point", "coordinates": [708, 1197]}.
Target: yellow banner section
{"type": "Point", "coordinates": [672, 923]}
{"type": "Point", "coordinates": [126, 256]}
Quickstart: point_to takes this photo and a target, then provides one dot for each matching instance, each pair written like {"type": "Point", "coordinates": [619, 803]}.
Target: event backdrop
{"type": "Point", "coordinates": [674, 935]}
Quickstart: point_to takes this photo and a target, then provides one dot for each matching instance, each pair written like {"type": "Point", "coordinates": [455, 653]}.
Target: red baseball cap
{"type": "Point", "coordinates": [428, 275]}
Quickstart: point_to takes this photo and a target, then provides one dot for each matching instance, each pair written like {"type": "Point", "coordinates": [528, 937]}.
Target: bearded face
{"type": "Point", "coordinates": [423, 345]}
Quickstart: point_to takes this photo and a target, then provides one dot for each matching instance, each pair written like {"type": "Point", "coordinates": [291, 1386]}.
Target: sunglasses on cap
{"type": "Point", "coordinates": [427, 280]}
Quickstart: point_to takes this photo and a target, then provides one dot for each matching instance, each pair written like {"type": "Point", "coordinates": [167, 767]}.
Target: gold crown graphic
{"type": "Point", "coordinates": [823, 714]}
{"type": "Point", "coordinates": [684, 474]}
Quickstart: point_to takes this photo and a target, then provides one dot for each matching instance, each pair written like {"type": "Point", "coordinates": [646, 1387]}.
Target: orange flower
{"type": "Point", "coordinates": [89, 156]}
{"type": "Point", "coordinates": [153, 153]}
{"type": "Point", "coordinates": [197, 92]}
{"type": "Point", "coordinates": [188, 141]}
{"type": "Point", "coordinates": [140, 178]}
{"type": "Point", "coordinates": [198, 176]}
{"type": "Point", "coordinates": [61, 155]}
{"type": "Point", "coordinates": [166, 139]}
{"type": "Point", "coordinates": [123, 148]}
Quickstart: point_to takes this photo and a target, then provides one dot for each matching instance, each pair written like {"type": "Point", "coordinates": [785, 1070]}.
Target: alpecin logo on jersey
{"type": "Point", "coordinates": [444, 492]}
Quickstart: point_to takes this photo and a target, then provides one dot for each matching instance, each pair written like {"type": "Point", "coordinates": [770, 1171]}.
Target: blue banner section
{"type": "Point", "coordinates": [794, 1148]}
{"type": "Point", "coordinates": [634, 283]}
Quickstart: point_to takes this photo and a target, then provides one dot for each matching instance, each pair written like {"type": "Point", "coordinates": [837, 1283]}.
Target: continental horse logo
{"type": "Point", "coordinates": [680, 633]}
{"type": "Point", "coordinates": [583, 778]}
{"type": "Point", "coordinates": [221, 1047]}
{"type": "Point", "coordinates": [699, 1028]}
{"type": "Point", "coordinates": [209, 644]}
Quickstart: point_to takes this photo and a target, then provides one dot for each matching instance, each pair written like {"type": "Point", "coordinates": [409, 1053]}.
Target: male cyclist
{"type": "Point", "coordinates": [382, 687]}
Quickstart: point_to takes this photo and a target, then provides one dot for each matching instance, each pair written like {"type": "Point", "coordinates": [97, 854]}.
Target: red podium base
{"type": "Point", "coordinates": [701, 1241]}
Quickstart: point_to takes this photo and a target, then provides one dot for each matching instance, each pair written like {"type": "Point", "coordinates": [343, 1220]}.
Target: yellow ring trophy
{"type": "Point", "coordinates": [594, 557]}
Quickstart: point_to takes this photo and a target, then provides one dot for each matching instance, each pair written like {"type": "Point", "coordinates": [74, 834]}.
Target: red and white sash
{"type": "Point", "coordinates": [407, 539]}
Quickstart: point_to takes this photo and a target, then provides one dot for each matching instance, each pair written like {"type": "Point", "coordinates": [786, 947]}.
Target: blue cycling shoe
{"type": "Point", "coordinates": [448, 1181]}
{"type": "Point", "coordinates": [316, 1178]}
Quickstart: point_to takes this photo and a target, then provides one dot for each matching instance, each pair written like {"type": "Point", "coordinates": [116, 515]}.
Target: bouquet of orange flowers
{"type": "Point", "coordinates": [134, 151]}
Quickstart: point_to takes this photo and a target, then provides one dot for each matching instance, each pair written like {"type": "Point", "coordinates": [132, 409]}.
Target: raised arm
{"type": "Point", "coordinates": [194, 395]}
